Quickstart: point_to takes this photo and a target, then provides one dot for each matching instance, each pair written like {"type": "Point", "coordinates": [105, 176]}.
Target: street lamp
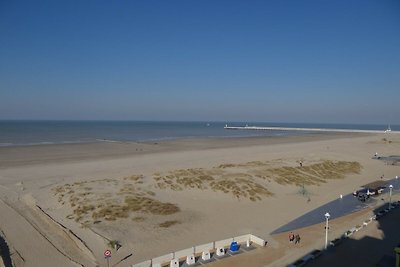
{"type": "Point", "coordinates": [390, 196]}
{"type": "Point", "coordinates": [327, 216]}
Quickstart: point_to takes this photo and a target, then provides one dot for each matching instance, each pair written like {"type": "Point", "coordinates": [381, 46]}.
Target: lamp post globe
{"type": "Point", "coordinates": [327, 216]}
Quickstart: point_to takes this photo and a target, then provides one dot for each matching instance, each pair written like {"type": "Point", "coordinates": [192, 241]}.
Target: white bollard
{"type": "Point", "coordinates": [174, 263]}
{"type": "Point", "coordinates": [397, 177]}
{"type": "Point", "coordinates": [190, 260]}
{"type": "Point", "coordinates": [220, 251]}
{"type": "Point", "coordinates": [248, 243]}
{"type": "Point", "coordinates": [205, 256]}
{"type": "Point", "coordinates": [341, 196]}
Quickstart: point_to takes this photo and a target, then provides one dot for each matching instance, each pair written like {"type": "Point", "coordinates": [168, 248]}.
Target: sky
{"type": "Point", "coordinates": [201, 60]}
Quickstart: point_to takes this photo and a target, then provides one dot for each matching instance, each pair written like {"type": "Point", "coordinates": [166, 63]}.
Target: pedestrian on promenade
{"type": "Point", "coordinates": [297, 239]}
{"type": "Point", "coordinates": [291, 237]}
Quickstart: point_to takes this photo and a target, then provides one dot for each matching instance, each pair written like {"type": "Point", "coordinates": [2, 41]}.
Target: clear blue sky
{"type": "Point", "coordinates": [281, 61]}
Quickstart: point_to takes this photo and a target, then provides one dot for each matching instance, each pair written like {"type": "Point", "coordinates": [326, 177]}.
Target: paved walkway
{"type": "Point", "coordinates": [338, 208]}
{"type": "Point", "coordinates": [367, 246]}
{"type": "Point", "coordinates": [379, 237]}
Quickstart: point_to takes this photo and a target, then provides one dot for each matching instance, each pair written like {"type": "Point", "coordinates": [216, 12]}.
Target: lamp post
{"type": "Point", "coordinates": [390, 196]}
{"type": "Point", "coordinates": [327, 216]}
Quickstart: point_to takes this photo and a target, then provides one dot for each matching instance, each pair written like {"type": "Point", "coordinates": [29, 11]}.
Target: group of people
{"type": "Point", "coordinates": [294, 238]}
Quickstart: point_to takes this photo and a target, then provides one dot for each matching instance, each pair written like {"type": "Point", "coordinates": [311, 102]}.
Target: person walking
{"type": "Point", "coordinates": [291, 237]}
{"type": "Point", "coordinates": [297, 239]}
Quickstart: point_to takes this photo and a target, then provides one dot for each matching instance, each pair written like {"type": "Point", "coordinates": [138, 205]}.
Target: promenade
{"type": "Point", "coordinates": [340, 207]}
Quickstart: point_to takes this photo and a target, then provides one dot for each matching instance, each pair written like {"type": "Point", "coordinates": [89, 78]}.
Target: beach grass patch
{"type": "Point", "coordinates": [168, 224]}
{"type": "Point", "coordinates": [238, 184]}
{"type": "Point", "coordinates": [246, 180]}
{"type": "Point", "coordinates": [313, 174]}
{"type": "Point", "coordinates": [110, 200]}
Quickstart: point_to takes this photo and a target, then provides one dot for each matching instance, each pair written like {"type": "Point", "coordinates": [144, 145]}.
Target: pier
{"type": "Point", "coordinates": [307, 129]}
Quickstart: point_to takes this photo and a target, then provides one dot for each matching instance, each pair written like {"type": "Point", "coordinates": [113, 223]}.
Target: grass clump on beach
{"type": "Point", "coordinates": [239, 185]}
{"type": "Point", "coordinates": [177, 180]}
{"type": "Point", "coordinates": [313, 174]}
{"type": "Point", "coordinates": [244, 165]}
{"type": "Point", "coordinates": [137, 179]}
{"type": "Point", "coordinates": [114, 244]}
{"type": "Point", "coordinates": [168, 224]}
{"type": "Point", "coordinates": [241, 188]}
{"type": "Point", "coordinates": [386, 141]}
{"type": "Point", "coordinates": [149, 205]}
{"type": "Point", "coordinates": [109, 200]}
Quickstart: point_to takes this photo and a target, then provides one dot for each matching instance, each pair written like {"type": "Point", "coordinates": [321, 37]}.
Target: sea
{"type": "Point", "coordinates": [24, 133]}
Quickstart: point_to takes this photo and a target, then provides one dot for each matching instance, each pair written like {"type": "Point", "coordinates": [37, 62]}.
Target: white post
{"type": "Point", "coordinates": [390, 196]}
{"type": "Point", "coordinates": [327, 215]}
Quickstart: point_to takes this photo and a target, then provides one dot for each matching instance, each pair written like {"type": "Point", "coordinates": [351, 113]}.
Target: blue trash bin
{"type": "Point", "coordinates": [234, 247]}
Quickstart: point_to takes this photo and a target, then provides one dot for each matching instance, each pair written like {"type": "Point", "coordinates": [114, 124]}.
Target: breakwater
{"type": "Point", "coordinates": [307, 129]}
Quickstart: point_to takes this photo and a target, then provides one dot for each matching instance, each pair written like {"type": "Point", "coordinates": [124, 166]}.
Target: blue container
{"type": "Point", "coordinates": [234, 246]}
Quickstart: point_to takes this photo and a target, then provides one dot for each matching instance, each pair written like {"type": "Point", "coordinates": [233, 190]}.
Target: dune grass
{"type": "Point", "coordinates": [239, 185]}
{"type": "Point", "coordinates": [110, 199]}
{"type": "Point", "coordinates": [386, 141]}
{"type": "Point", "coordinates": [168, 224]}
{"type": "Point", "coordinates": [241, 188]}
{"type": "Point", "coordinates": [248, 180]}
{"type": "Point", "coordinates": [96, 201]}
{"type": "Point", "coordinates": [313, 174]}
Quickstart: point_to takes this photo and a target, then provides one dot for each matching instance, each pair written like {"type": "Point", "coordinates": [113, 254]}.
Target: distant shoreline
{"type": "Point", "coordinates": [155, 140]}
{"type": "Point", "coordinates": [12, 156]}
{"type": "Point", "coordinates": [37, 133]}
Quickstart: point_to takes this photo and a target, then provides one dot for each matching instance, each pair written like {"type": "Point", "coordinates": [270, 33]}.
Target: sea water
{"type": "Point", "coordinates": [17, 133]}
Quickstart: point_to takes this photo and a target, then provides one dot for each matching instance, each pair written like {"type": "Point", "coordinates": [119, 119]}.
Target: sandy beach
{"type": "Point", "coordinates": [63, 205]}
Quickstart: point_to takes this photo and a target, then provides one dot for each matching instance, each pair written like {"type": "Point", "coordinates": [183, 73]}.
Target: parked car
{"type": "Point", "coordinates": [368, 192]}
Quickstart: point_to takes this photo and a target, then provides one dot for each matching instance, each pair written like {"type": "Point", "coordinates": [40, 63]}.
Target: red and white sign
{"type": "Point", "coordinates": [107, 253]}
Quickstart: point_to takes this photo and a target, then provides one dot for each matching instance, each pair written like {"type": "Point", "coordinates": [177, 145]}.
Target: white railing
{"type": "Point", "coordinates": [166, 259]}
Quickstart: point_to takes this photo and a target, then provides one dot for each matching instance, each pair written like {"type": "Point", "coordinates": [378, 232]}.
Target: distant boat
{"type": "Point", "coordinates": [208, 125]}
